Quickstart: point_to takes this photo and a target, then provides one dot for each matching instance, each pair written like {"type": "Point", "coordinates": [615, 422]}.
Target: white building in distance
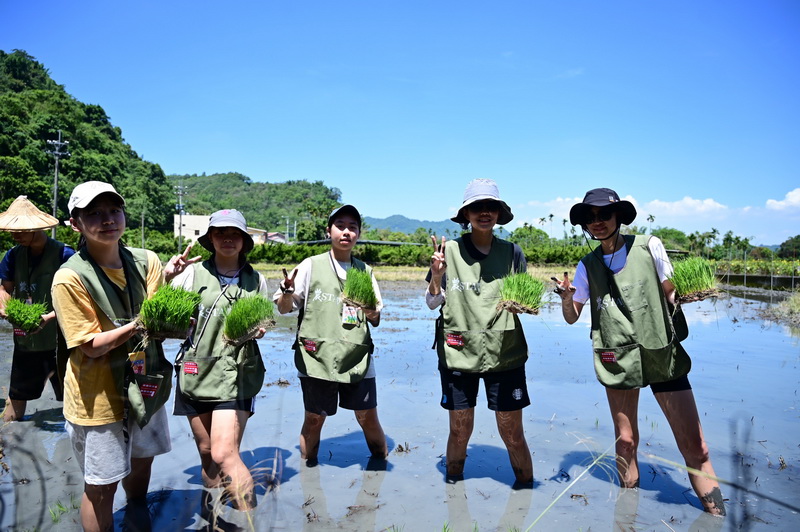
{"type": "Point", "coordinates": [194, 226]}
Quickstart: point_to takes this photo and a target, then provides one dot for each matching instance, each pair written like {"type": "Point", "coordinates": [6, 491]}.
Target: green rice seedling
{"type": "Point", "coordinates": [358, 291]}
{"type": "Point", "coordinates": [245, 317]}
{"type": "Point", "coordinates": [694, 279]}
{"type": "Point", "coordinates": [521, 293]}
{"type": "Point", "coordinates": [24, 316]}
{"type": "Point", "coordinates": [169, 312]}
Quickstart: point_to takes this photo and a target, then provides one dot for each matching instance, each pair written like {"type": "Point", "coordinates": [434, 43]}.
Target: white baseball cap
{"type": "Point", "coordinates": [85, 193]}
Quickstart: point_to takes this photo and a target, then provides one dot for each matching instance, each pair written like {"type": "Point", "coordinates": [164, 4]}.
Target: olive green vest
{"type": "Point", "coordinates": [471, 334]}
{"type": "Point", "coordinates": [210, 369]}
{"type": "Point", "coordinates": [143, 394]}
{"type": "Point", "coordinates": [34, 283]}
{"type": "Point", "coordinates": [632, 335]}
{"type": "Point", "coordinates": [326, 348]}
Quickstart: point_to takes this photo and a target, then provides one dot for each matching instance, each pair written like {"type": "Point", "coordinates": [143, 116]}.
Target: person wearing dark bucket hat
{"type": "Point", "coordinates": [218, 398]}
{"type": "Point", "coordinates": [625, 281]}
{"type": "Point", "coordinates": [473, 340]}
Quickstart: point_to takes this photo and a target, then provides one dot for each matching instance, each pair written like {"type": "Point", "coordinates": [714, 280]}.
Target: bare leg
{"type": "Point", "coordinates": [97, 507]}
{"type": "Point", "coordinates": [137, 514]}
{"type": "Point", "coordinates": [681, 412]}
{"type": "Point", "coordinates": [373, 432]}
{"type": "Point", "coordinates": [509, 424]}
{"type": "Point", "coordinates": [310, 435]}
{"type": "Point", "coordinates": [227, 428]}
{"type": "Point", "coordinates": [624, 405]}
{"type": "Point", "coordinates": [201, 428]}
{"type": "Point", "coordinates": [461, 425]}
{"type": "Point", "coordinates": [15, 409]}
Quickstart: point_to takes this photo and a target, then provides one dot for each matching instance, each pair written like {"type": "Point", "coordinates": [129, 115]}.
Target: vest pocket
{"type": "Point", "coordinates": [485, 350]}
{"type": "Point", "coordinates": [619, 367]}
{"type": "Point", "coordinates": [332, 360]}
{"type": "Point", "coordinates": [208, 378]}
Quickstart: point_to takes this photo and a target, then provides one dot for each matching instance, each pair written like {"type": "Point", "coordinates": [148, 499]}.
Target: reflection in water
{"type": "Point", "coordinates": [459, 517]}
{"type": "Point", "coordinates": [361, 515]}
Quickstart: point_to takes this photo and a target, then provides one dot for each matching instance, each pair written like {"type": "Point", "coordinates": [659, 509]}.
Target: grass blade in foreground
{"type": "Point", "coordinates": [169, 312]}
{"type": "Point", "coordinates": [24, 316]}
{"type": "Point", "coordinates": [245, 317]}
{"type": "Point", "coordinates": [358, 291]}
{"type": "Point", "coordinates": [521, 293]}
{"type": "Point", "coordinates": [694, 279]}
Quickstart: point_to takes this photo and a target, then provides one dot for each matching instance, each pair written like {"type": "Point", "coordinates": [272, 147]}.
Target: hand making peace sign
{"type": "Point", "coordinates": [287, 285]}
{"type": "Point", "coordinates": [438, 264]}
{"type": "Point", "coordinates": [563, 288]}
{"type": "Point", "coordinates": [178, 263]}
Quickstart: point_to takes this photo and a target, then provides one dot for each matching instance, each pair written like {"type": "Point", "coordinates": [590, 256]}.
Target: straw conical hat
{"type": "Point", "coordinates": [22, 215]}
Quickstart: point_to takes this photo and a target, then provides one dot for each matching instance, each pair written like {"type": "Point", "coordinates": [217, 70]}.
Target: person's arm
{"type": "Point", "coordinates": [570, 309]}
{"type": "Point", "coordinates": [6, 289]}
{"type": "Point", "coordinates": [104, 342]}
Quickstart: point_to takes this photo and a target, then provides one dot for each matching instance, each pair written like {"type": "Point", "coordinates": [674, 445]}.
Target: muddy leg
{"type": "Point", "coordinates": [624, 405]}
{"type": "Point", "coordinates": [461, 425]}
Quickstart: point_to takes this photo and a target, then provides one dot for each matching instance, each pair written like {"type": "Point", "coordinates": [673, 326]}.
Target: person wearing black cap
{"type": "Point", "coordinates": [475, 342]}
{"type": "Point", "coordinates": [625, 281]}
{"type": "Point", "coordinates": [218, 382]}
{"type": "Point", "coordinates": [333, 348]}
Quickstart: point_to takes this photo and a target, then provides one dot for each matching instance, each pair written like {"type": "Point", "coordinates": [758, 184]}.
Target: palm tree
{"type": "Point", "coordinates": [550, 216]}
{"type": "Point", "coordinates": [650, 220]}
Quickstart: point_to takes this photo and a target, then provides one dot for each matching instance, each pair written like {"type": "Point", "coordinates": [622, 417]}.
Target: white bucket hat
{"type": "Point", "coordinates": [483, 189]}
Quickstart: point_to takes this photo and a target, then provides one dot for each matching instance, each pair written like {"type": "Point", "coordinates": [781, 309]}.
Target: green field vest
{"type": "Point", "coordinates": [471, 334]}
{"type": "Point", "coordinates": [632, 336]}
{"type": "Point", "coordinates": [211, 370]}
{"type": "Point", "coordinates": [326, 348]}
{"type": "Point", "coordinates": [35, 283]}
{"type": "Point", "coordinates": [143, 394]}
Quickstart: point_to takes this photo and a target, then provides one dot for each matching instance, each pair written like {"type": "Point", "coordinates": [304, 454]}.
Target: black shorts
{"type": "Point", "coordinates": [321, 397]}
{"type": "Point", "coordinates": [677, 385]}
{"type": "Point", "coordinates": [29, 374]}
{"type": "Point", "coordinates": [506, 391]}
{"type": "Point", "coordinates": [184, 406]}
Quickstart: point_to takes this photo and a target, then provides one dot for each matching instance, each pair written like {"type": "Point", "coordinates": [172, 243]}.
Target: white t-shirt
{"type": "Point", "coordinates": [301, 285]}
{"type": "Point", "coordinates": [616, 261]}
{"type": "Point", "coordinates": [185, 280]}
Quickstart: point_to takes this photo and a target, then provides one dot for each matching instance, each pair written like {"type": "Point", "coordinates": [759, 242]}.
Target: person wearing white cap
{"type": "Point", "coordinates": [97, 295]}
{"type": "Point", "coordinates": [333, 348]}
{"type": "Point", "coordinates": [217, 382]}
{"type": "Point", "coordinates": [474, 341]}
{"type": "Point", "coordinates": [625, 283]}
{"type": "Point", "coordinates": [26, 273]}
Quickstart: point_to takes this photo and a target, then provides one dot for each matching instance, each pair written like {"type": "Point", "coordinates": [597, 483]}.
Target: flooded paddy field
{"type": "Point", "coordinates": [746, 374]}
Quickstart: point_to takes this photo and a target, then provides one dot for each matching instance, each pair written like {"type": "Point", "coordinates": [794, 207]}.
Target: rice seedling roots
{"type": "Point", "coordinates": [252, 332]}
{"type": "Point", "coordinates": [352, 303]}
{"type": "Point", "coordinates": [699, 296]}
{"type": "Point", "coordinates": [513, 306]}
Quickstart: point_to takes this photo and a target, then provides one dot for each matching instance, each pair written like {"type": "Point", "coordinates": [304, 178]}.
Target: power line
{"type": "Point", "coordinates": [56, 152]}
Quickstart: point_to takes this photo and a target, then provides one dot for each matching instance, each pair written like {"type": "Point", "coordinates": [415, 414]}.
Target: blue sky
{"type": "Point", "coordinates": [691, 109]}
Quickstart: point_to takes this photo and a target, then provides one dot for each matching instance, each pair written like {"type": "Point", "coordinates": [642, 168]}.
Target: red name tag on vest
{"type": "Point", "coordinates": [310, 346]}
{"type": "Point", "coordinates": [148, 389]}
{"type": "Point", "coordinates": [454, 340]}
{"type": "Point", "coordinates": [608, 357]}
{"type": "Point", "coordinates": [19, 332]}
{"type": "Point", "coordinates": [190, 368]}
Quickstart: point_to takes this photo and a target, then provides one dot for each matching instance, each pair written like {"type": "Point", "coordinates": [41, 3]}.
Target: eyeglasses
{"type": "Point", "coordinates": [603, 215]}
{"type": "Point", "coordinates": [484, 206]}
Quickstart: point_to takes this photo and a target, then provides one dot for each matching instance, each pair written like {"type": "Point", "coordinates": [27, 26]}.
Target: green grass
{"type": "Point", "coordinates": [169, 310]}
{"type": "Point", "coordinates": [246, 314]}
{"type": "Point", "coordinates": [358, 288]}
{"type": "Point", "coordinates": [694, 275]}
{"type": "Point", "coordinates": [26, 317]}
{"type": "Point", "coordinates": [522, 290]}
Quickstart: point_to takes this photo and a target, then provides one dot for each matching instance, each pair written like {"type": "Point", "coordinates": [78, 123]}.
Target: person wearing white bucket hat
{"type": "Point", "coordinates": [26, 274]}
{"type": "Point", "coordinates": [474, 340]}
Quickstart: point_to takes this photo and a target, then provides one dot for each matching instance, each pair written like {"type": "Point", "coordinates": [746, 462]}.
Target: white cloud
{"type": "Point", "coordinates": [686, 207]}
{"type": "Point", "coordinates": [790, 201]}
{"type": "Point", "coordinates": [570, 73]}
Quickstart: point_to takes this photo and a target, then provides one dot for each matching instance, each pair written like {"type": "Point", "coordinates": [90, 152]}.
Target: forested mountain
{"type": "Point", "coordinates": [400, 224]}
{"type": "Point", "coordinates": [33, 108]}
{"type": "Point", "coordinates": [265, 205]}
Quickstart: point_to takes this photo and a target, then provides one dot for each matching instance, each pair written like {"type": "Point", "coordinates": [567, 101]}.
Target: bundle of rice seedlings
{"type": "Point", "coordinates": [521, 293]}
{"type": "Point", "coordinates": [24, 316]}
{"type": "Point", "coordinates": [245, 317]}
{"type": "Point", "coordinates": [358, 291]}
{"type": "Point", "coordinates": [694, 279]}
{"type": "Point", "coordinates": [169, 312]}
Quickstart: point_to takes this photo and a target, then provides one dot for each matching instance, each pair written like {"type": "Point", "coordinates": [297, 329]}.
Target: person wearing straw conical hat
{"type": "Point", "coordinates": [26, 273]}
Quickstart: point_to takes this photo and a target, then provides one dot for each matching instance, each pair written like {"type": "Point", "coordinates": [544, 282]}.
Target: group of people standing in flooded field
{"type": "Point", "coordinates": [114, 409]}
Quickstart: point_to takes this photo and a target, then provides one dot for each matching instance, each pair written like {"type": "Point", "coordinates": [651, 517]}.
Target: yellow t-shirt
{"type": "Point", "coordinates": [90, 393]}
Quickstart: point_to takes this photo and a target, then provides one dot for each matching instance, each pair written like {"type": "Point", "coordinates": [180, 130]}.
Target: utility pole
{"type": "Point", "coordinates": [56, 152]}
{"type": "Point", "coordinates": [180, 190]}
{"type": "Point", "coordinates": [142, 226]}
{"type": "Point", "coordinates": [287, 229]}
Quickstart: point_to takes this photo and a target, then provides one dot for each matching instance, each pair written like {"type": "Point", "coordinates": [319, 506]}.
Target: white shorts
{"type": "Point", "coordinates": [102, 454]}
